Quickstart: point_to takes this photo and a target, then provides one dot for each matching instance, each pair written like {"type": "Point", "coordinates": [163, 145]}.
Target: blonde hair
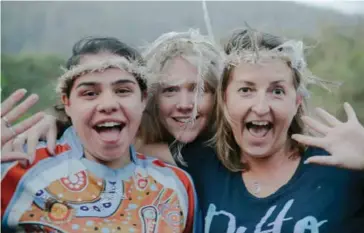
{"type": "Point", "coordinates": [196, 49]}
{"type": "Point", "coordinates": [247, 46]}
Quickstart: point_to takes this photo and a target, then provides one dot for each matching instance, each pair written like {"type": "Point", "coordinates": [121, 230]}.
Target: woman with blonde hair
{"type": "Point", "coordinates": [184, 68]}
{"type": "Point", "coordinates": [265, 164]}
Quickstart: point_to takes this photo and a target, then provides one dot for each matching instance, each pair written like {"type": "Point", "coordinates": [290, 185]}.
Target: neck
{"type": "Point", "coordinates": [120, 162]}
{"type": "Point", "coordinates": [273, 163]}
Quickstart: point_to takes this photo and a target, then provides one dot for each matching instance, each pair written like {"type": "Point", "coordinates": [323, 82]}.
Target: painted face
{"type": "Point", "coordinates": [106, 109]}
{"type": "Point", "coordinates": [176, 101]}
{"type": "Point", "coordinates": [261, 101]}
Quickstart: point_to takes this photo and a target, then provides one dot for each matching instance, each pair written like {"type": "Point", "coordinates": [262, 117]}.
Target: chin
{"type": "Point", "coordinates": [257, 152]}
{"type": "Point", "coordinates": [110, 154]}
{"type": "Point", "coordinates": [108, 157]}
{"type": "Point", "coordinates": [187, 138]}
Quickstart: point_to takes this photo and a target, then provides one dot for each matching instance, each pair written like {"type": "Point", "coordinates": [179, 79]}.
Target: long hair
{"type": "Point", "coordinates": [227, 148]}
{"type": "Point", "coordinates": [196, 50]}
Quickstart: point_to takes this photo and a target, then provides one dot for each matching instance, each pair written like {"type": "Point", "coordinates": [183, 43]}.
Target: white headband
{"type": "Point", "coordinates": [98, 66]}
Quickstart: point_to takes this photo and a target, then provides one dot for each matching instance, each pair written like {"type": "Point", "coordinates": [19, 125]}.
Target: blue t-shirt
{"type": "Point", "coordinates": [317, 199]}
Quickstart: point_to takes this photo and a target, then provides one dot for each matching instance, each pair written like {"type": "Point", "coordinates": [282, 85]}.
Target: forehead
{"type": "Point", "coordinates": [105, 77]}
{"type": "Point", "coordinates": [179, 70]}
{"type": "Point", "coordinates": [264, 71]}
{"type": "Point", "coordinates": [86, 58]}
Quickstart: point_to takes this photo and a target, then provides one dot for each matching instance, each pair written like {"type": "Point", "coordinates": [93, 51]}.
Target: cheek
{"type": "Point", "coordinates": [81, 112]}
{"type": "Point", "coordinates": [165, 106]}
{"type": "Point", "coordinates": [236, 107]}
{"type": "Point", "coordinates": [206, 104]}
{"type": "Point", "coordinates": [284, 111]}
{"type": "Point", "coordinates": [133, 108]}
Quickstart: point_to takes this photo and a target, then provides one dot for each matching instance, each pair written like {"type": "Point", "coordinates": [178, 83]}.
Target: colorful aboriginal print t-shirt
{"type": "Point", "coordinates": [69, 193]}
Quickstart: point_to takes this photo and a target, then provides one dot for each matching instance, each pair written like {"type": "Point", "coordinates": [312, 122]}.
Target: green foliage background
{"type": "Point", "coordinates": [336, 55]}
{"type": "Point", "coordinates": [35, 72]}
{"type": "Point", "coordinates": [339, 56]}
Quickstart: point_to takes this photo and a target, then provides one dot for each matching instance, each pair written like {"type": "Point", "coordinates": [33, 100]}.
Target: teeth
{"type": "Point", "coordinates": [260, 123]}
{"type": "Point", "coordinates": [108, 124]}
{"type": "Point", "coordinates": [183, 120]}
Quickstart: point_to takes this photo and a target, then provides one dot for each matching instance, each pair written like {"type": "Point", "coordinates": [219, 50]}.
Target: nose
{"type": "Point", "coordinates": [186, 101]}
{"type": "Point", "coordinates": [107, 103]}
{"type": "Point", "coordinates": [260, 105]}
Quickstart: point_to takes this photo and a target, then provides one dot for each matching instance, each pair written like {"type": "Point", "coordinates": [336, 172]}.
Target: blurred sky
{"type": "Point", "coordinates": [348, 7]}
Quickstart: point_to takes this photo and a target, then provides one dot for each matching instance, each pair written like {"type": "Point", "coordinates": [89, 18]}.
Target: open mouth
{"type": "Point", "coordinates": [259, 128]}
{"type": "Point", "coordinates": [184, 120]}
{"type": "Point", "coordinates": [109, 131]}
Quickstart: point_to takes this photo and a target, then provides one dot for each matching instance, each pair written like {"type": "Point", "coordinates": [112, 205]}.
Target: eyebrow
{"type": "Point", "coordinates": [247, 82]}
{"type": "Point", "coordinates": [253, 84]}
{"type": "Point", "coordinates": [117, 82]}
{"type": "Point", "coordinates": [123, 81]}
{"type": "Point", "coordinates": [278, 81]}
{"type": "Point", "coordinates": [178, 83]}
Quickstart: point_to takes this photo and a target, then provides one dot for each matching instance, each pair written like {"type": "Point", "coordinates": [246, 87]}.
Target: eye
{"type": "Point", "coordinates": [89, 93]}
{"type": "Point", "coordinates": [170, 89]}
{"type": "Point", "coordinates": [207, 89]}
{"type": "Point", "coordinates": [245, 90]}
{"type": "Point", "coordinates": [278, 91]}
{"type": "Point", "coordinates": [122, 90]}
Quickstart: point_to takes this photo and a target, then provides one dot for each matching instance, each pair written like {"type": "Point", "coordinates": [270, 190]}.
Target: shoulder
{"type": "Point", "coordinates": [169, 175]}
{"type": "Point", "coordinates": [199, 156]}
{"type": "Point", "coordinates": [68, 144]}
{"type": "Point", "coordinates": [43, 160]}
{"type": "Point", "coordinates": [312, 151]}
{"type": "Point", "coordinates": [166, 168]}
{"type": "Point", "coordinates": [331, 171]}
{"type": "Point", "coordinates": [41, 154]}
{"type": "Point", "coordinates": [44, 169]}
{"type": "Point", "coordinates": [200, 149]}
{"type": "Point", "coordinates": [157, 150]}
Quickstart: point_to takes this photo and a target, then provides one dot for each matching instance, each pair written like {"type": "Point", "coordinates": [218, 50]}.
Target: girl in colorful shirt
{"type": "Point", "coordinates": [97, 182]}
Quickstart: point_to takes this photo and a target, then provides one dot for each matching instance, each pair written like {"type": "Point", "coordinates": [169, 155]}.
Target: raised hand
{"type": "Point", "coordinates": [10, 113]}
{"type": "Point", "coordinates": [343, 140]}
{"type": "Point", "coordinates": [45, 129]}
